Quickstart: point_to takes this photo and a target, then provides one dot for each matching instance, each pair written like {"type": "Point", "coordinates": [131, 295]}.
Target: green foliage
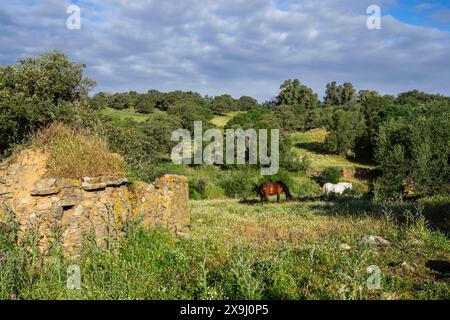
{"type": "Point", "coordinates": [364, 95]}
{"type": "Point", "coordinates": [291, 117]}
{"type": "Point", "coordinates": [332, 94]}
{"type": "Point", "coordinates": [145, 103]}
{"type": "Point", "coordinates": [247, 103]}
{"type": "Point", "coordinates": [37, 91]}
{"type": "Point", "coordinates": [289, 160]}
{"type": "Point", "coordinates": [331, 175]}
{"type": "Point", "coordinates": [292, 92]}
{"type": "Point", "coordinates": [339, 95]}
{"type": "Point", "coordinates": [191, 113]}
{"type": "Point", "coordinates": [240, 183]}
{"type": "Point", "coordinates": [224, 103]}
{"type": "Point", "coordinates": [413, 153]}
{"type": "Point", "coordinates": [143, 144]}
{"type": "Point", "coordinates": [99, 101]}
{"type": "Point", "coordinates": [248, 119]}
{"type": "Point", "coordinates": [416, 98]}
{"type": "Point", "coordinates": [347, 94]}
{"type": "Point", "coordinates": [236, 251]}
{"type": "Point", "coordinates": [197, 189]}
{"type": "Point", "coordinates": [346, 126]}
{"type": "Point", "coordinates": [283, 175]}
{"type": "Point", "coordinates": [120, 101]}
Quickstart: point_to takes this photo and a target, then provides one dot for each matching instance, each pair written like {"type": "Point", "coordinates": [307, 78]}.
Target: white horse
{"type": "Point", "coordinates": [336, 188]}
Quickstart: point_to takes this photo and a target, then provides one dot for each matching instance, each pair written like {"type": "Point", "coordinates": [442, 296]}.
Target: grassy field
{"type": "Point", "coordinates": [299, 250]}
{"type": "Point", "coordinates": [310, 144]}
{"type": "Point", "coordinates": [127, 114]}
{"type": "Point", "coordinates": [312, 248]}
{"type": "Point", "coordinates": [301, 184]}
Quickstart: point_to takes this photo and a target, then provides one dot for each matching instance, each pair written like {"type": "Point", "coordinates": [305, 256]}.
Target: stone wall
{"type": "Point", "coordinates": [73, 209]}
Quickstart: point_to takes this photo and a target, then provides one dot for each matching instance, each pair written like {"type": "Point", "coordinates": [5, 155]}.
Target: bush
{"type": "Point", "coordinates": [331, 175]}
{"type": "Point", "coordinates": [214, 191]}
{"type": "Point", "coordinates": [240, 183]}
{"type": "Point", "coordinates": [197, 189]}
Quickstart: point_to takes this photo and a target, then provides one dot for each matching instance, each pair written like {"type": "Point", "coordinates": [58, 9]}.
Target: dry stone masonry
{"type": "Point", "coordinates": [72, 210]}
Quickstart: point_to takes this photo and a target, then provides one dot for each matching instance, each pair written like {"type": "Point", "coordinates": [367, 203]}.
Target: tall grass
{"type": "Point", "coordinates": [227, 257]}
{"type": "Point", "coordinates": [75, 153]}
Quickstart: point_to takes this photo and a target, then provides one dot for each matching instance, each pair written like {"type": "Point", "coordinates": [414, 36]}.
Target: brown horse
{"type": "Point", "coordinates": [273, 188]}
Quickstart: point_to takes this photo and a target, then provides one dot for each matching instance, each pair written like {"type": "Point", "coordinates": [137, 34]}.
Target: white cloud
{"type": "Point", "coordinates": [235, 46]}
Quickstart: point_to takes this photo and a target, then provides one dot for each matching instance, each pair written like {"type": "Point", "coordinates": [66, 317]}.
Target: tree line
{"type": "Point", "coordinates": [407, 136]}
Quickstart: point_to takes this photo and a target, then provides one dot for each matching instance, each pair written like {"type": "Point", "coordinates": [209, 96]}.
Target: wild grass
{"type": "Point", "coordinates": [127, 114]}
{"type": "Point", "coordinates": [243, 251]}
{"type": "Point", "coordinates": [75, 153]}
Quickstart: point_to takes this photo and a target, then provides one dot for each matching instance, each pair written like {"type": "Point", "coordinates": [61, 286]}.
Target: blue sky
{"type": "Point", "coordinates": [432, 13]}
{"type": "Point", "coordinates": [239, 46]}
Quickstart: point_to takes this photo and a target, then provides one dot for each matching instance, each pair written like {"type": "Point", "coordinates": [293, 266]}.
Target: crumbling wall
{"type": "Point", "coordinates": [71, 210]}
{"type": "Point", "coordinates": [164, 202]}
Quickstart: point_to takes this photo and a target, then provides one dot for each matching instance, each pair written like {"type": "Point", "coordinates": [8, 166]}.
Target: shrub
{"type": "Point", "coordinates": [239, 183]}
{"type": "Point", "coordinates": [331, 175]}
{"type": "Point", "coordinates": [197, 189]}
{"type": "Point", "coordinates": [76, 153]}
{"type": "Point", "coordinates": [214, 191]}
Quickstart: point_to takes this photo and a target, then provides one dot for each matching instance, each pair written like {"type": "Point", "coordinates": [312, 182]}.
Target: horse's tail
{"type": "Point", "coordinates": [258, 190]}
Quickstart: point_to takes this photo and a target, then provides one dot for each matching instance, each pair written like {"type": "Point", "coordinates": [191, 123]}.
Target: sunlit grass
{"type": "Point", "coordinates": [76, 153]}
{"type": "Point", "coordinates": [221, 121]}
{"type": "Point", "coordinates": [129, 114]}
{"type": "Point", "coordinates": [310, 143]}
{"type": "Point", "coordinates": [246, 251]}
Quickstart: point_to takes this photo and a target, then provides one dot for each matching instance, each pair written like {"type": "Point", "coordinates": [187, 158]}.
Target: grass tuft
{"type": "Point", "coordinates": [75, 153]}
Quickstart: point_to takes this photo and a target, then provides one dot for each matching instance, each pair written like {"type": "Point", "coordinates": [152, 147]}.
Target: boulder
{"type": "Point", "coordinates": [375, 240]}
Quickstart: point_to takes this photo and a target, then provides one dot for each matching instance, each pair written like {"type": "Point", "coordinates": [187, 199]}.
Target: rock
{"type": "Point", "coordinates": [389, 296]}
{"type": "Point", "coordinates": [44, 204]}
{"type": "Point", "coordinates": [70, 199]}
{"type": "Point", "coordinates": [7, 181]}
{"type": "Point", "coordinates": [58, 211]}
{"type": "Point", "coordinates": [345, 247]}
{"type": "Point", "coordinates": [113, 182]}
{"type": "Point", "coordinates": [78, 211]}
{"type": "Point", "coordinates": [406, 266]}
{"type": "Point", "coordinates": [375, 240]}
{"type": "Point", "coordinates": [45, 183]}
{"type": "Point", "coordinates": [4, 190]}
{"type": "Point", "coordinates": [45, 192]}
{"type": "Point", "coordinates": [24, 200]}
{"type": "Point", "coordinates": [68, 183]}
{"type": "Point", "coordinates": [93, 186]}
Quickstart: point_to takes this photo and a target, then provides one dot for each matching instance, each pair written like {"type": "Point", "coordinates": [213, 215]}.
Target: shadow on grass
{"type": "Point", "coordinates": [320, 149]}
{"type": "Point", "coordinates": [437, 215]}
{"type": "Point", "coordinates": [441, 267]}
{"type": "Point", "coordinates": [250, 202]}
{"type": "Point", "coordinates": [315, 147]}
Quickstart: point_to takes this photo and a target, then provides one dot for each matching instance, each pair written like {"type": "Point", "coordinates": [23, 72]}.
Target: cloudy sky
{"type": "Point", "coordinates": [239, 46]}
